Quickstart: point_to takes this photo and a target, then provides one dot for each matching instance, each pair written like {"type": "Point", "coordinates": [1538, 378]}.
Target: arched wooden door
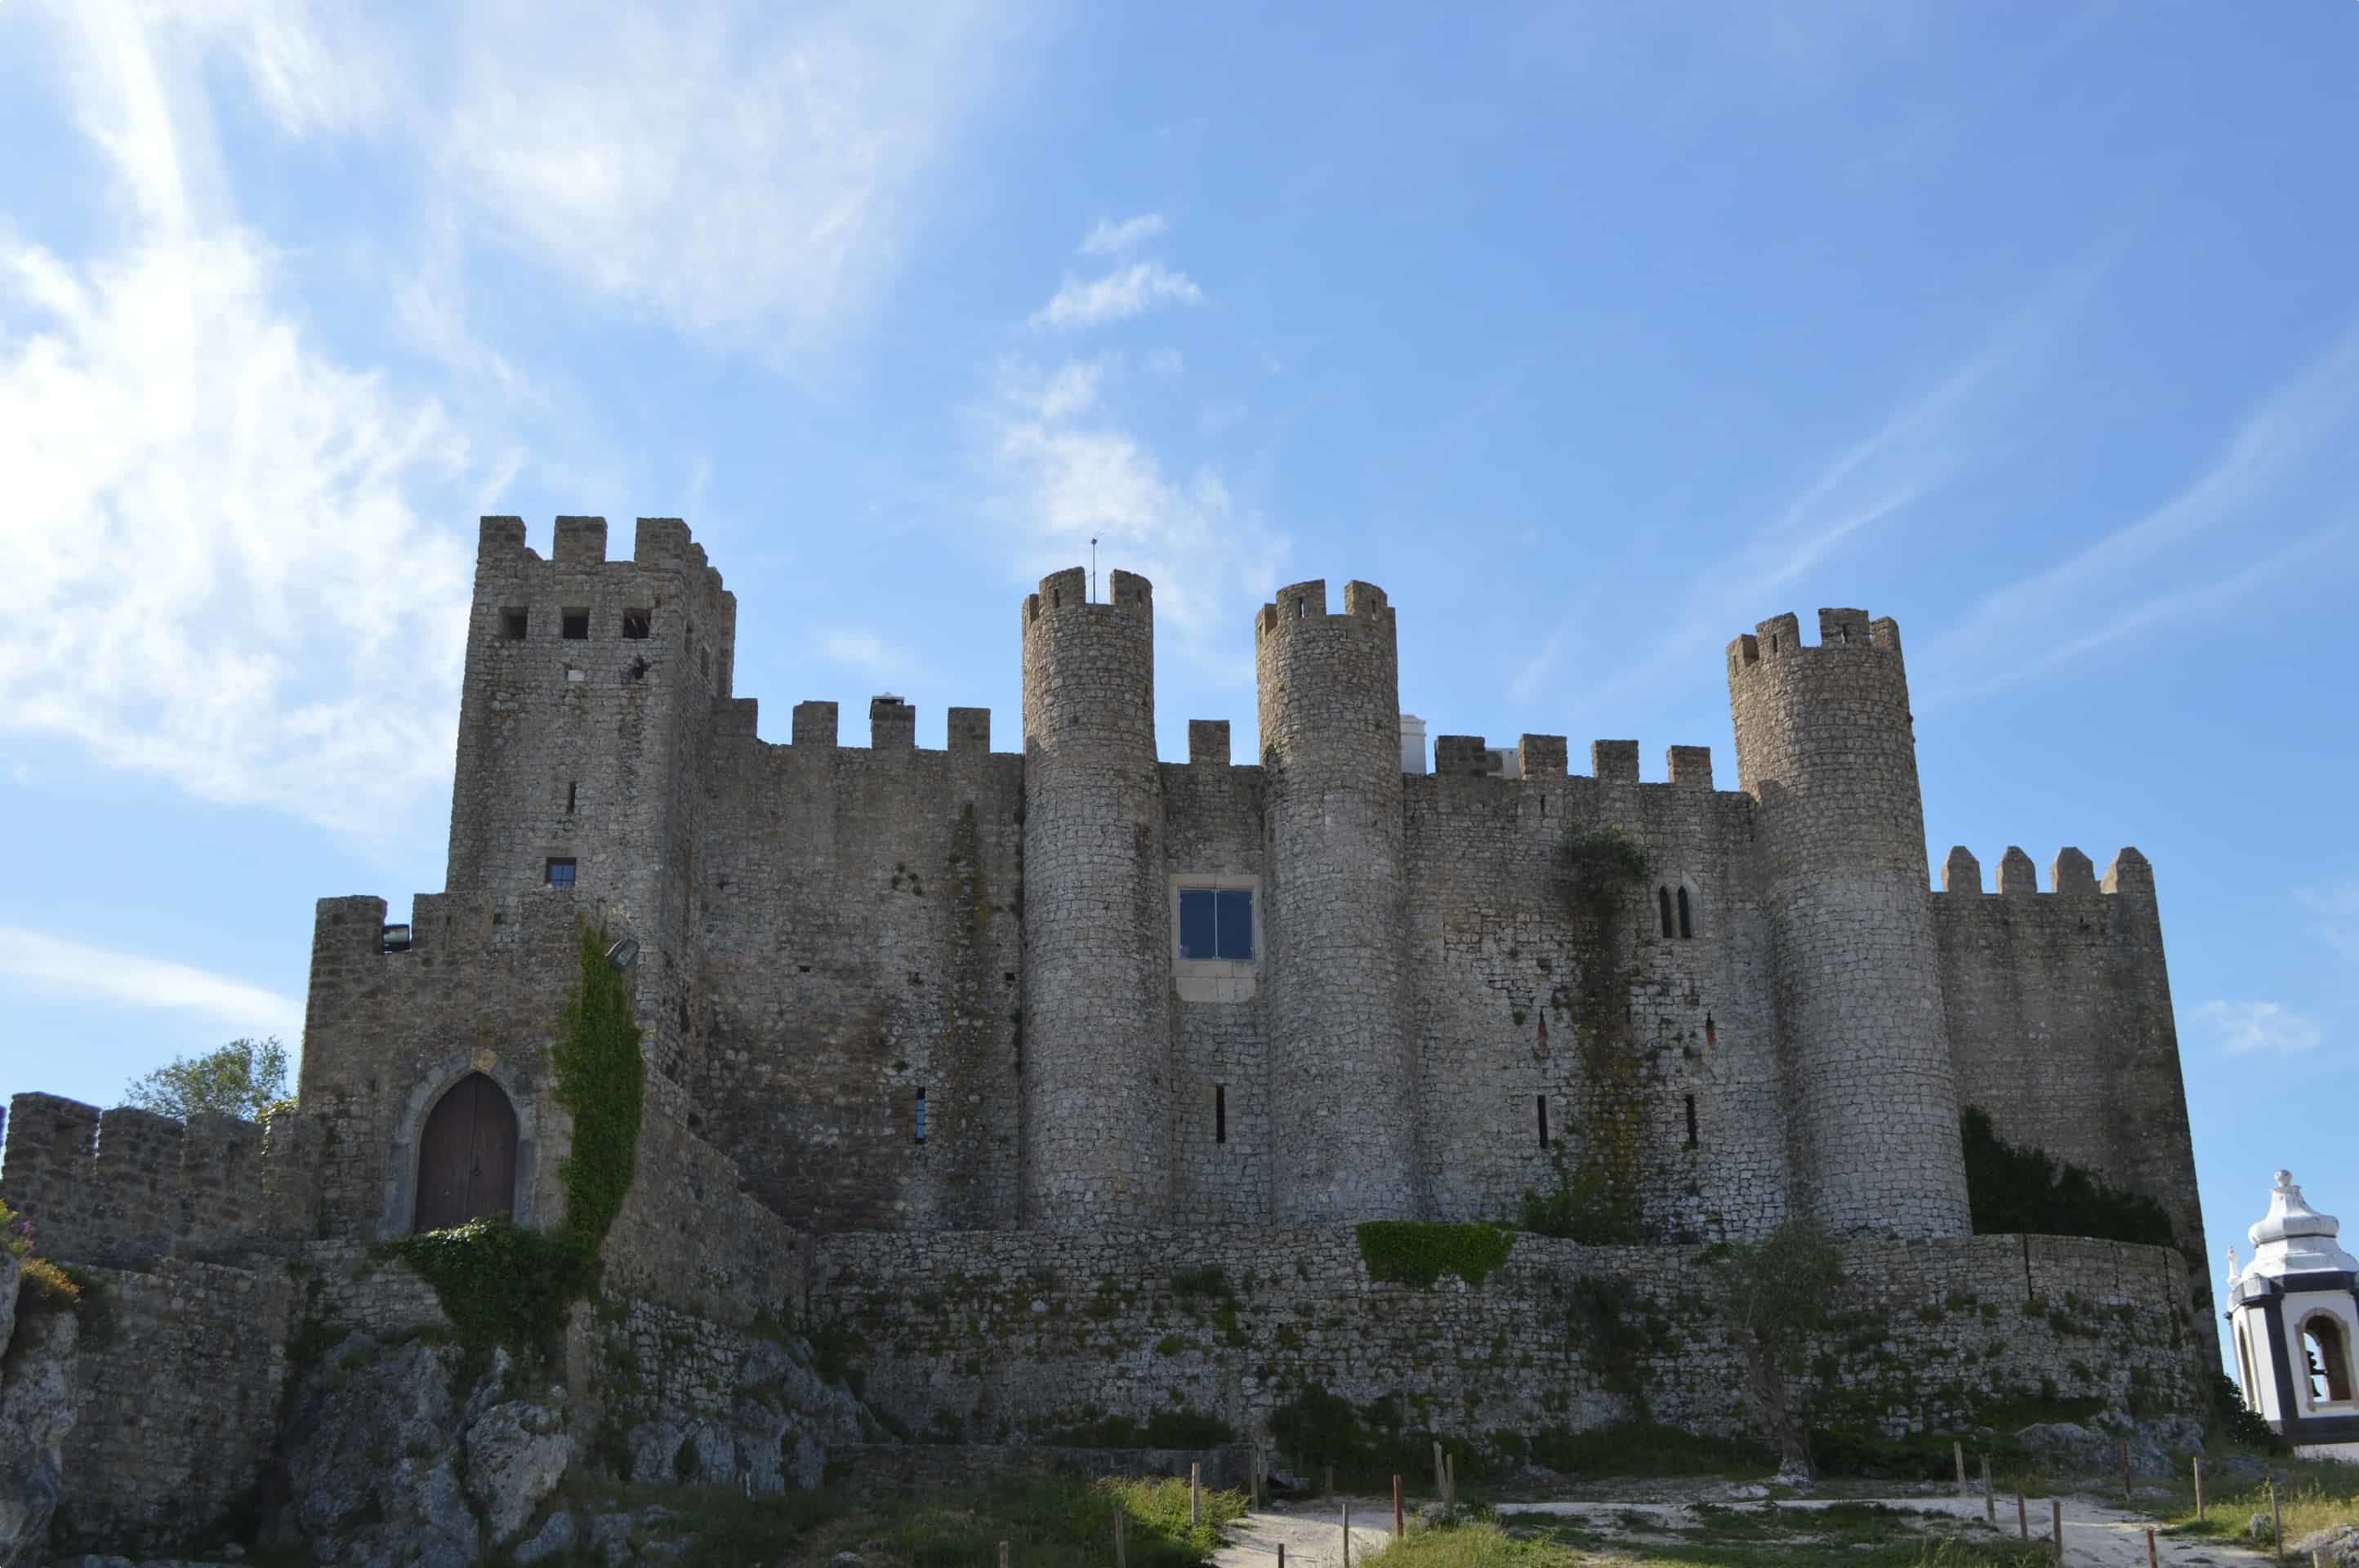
{"type": "Point", "coordinates": [467, 1157]}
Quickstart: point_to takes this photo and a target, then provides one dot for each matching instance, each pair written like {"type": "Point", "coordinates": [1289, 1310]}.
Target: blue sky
{"type": "Point", "coordinates": [1594, 334]}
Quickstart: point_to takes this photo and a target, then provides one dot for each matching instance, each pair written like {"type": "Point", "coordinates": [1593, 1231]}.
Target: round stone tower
{"type": "Point", "coordinates": [1342, 1063]}
{"type": "Point", "coordinates": [1097, 934]}
{"type": "Point", "coordinates": [1824, 742]}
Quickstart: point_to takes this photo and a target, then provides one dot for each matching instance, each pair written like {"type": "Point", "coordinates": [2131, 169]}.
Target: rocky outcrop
{"type": "Point", "coordinates": [731, 1408]}
{"type": "Point", "coordinates": [2156, 1445]}
{"type": "Point", "coordinates": [385, 1466]}
{"type": "Point", "coordinates": [36, 1412]}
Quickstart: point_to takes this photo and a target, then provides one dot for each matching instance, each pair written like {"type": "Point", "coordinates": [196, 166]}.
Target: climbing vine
{"type": "Point", "coordinates": [502, 1283]}
{"type": "Point", "coordinates": [1414, 1252]}
{"type": "Point", "coordinates": [1595, 1200]}
{"type": "Point", "coordinates": [2010, 1190]}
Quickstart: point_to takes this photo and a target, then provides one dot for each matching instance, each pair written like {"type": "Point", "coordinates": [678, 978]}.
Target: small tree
{"type": "Point", "coordinates": [1775, 1292]}
{"type": "Point", "coordinates": [246, 1079]}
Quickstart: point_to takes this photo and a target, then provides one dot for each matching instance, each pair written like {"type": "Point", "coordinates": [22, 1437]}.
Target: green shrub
{"type": "Point", "coordinates": [1414, 1252]}
{"type": "Point", "coordinates": [2010, 1190]}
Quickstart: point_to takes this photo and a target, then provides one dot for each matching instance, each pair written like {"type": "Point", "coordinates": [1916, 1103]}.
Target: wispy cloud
{"type": "Point", "coordinates": [868, 653]}
{"type": "Point", "coordinates": [2313, 415]}
{"type": "Point", "coordinates": [2259, 1028]}
{"type": "Point", "coordinates": [246, 601]}
{"type": "Point", "coordinates": [2334, 916]}
{"type": "Point", "coordinates": [1093, 302]}
{"type": "Point", "coordinates": [1065, 468]}
{"type": "Point", "coordinates": [1110, 238]}
{"type": "Point", "coordinates": [38, 964]}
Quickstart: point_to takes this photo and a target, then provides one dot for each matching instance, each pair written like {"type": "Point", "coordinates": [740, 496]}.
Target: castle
{"type": "Point", "coordinates": [1078, 985]}
{"type": "Point", "coordinates": [1051, 1024]}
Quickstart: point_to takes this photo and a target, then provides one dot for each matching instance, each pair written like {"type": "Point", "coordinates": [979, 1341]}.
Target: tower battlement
{"type": "Point", "coordinates": [1840, 632]}
{"type": "Point", "coordinates": [1127, 595]}
{"type": "Point", "coordinates": [1299, 604]}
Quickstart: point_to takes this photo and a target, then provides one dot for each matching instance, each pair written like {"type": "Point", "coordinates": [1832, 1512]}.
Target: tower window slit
{"type": "Point", "coordinates": [1687, 922]}
{"type": "Point", "coordinates": [1540, 1104]}
{"type": "Point", "coordinates": [1691, 1121]}
{"type": "Point", "coordinates": [1711, 1035]}
{"type": "Point", "coordinates": [1663, 908]}
{"type": "Point", "coordinates": [1220, 1113]}
{"type": "Point", "coordinates": [572, 791]}
{"type": "Point", "coordinates": [921, 1115]}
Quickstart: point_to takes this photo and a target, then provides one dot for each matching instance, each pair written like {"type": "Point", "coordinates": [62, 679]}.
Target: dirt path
{"type": "Point", "coordinates": [2094, 1536]}
{"type": "Point", "coordinates": [1313, 1533]}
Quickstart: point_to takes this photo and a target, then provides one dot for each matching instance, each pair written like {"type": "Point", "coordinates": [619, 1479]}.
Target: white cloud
{"type": "Point", "coordinates": [1093, 302]}
{"type": "Point", "coordinates": [2311, 415]}
{"type": "Point", "coordinates": [1165, 361]}
{"type": "Point", "coordinates": [1064, 470]}
{"type": "Point", "coordinates": [2336, 910]}
{"type": "Point", "coordinates": [2259, 1028]}
{"type": "Point", "coordinates": [867, 653]}
{"type": "Point", "coordinates": [744, 166]}
{"type": "Point", "coordinates": [218, 573]}
{"type": "Point", "coordinates": [52, 965]}
{"type": "Point", "coordinates": [1110, 238]}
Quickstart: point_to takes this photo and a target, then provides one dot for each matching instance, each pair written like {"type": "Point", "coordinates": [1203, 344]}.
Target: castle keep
{"type": "Point", "coordinates": [961, 1054]}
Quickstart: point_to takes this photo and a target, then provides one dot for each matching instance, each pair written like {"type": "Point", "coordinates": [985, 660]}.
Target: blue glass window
{"type": "Point", "coordinates": [1216, 924]}
{"type": "Point", "coordinates": [561, 873]}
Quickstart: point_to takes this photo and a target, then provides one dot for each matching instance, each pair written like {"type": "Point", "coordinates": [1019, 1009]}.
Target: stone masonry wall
{"type": "Point", "coordinates": [2060, 1025]}
{"type": "Point", "coordinates": [1005, 1335]}
{"type": "Point", "coordinates": [178, 1383]}
{"type": "Point", "coordinates": [127, 1186]}
{"type": "Point", "coordinates": [1502, 1006]}
{"type": "Point", "coordinates": [860, 940]}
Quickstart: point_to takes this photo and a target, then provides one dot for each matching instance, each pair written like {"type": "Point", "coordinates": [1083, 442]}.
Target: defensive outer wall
{"type": "Point", "coordinates": [1139, 1171]}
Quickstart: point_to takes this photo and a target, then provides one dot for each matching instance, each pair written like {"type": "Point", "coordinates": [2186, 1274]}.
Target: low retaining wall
{"type": "Point", "coordinates": [1008, 1335]}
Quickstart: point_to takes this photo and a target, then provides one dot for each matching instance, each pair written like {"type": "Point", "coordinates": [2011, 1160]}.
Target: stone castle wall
{"type": "Point", "coordinates": [1010, 1336]}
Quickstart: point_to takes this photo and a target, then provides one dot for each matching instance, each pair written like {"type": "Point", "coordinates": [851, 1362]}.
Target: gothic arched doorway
{"type": "Point", "coordinates": [467, 1156]}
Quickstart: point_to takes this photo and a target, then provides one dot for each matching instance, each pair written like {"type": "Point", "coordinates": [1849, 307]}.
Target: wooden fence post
{"type": "Point", "coordinates": [2022, 1519]}
{"type": "Point", "coordinates": [1990, 1497]}
{"type": "Point", "coordinates": [2056, 1517]}
{"type": "Point", "coordinates": [2277, 1522]}
{"type": "Point", "coordinates": [1281, 1554]}
{"type": "Point", "coordinates": [1957, 1452]}
{"type": "Point", "coordinates": [1400, 1526]}
{"type": "Point", "coordinates": [1121, 1556]}
{"type": "Point", "coordinates": [2127, 1501]}
{"type": "Point", "coordinates": [1440, 1486]}
{"type": "Point", "coordinates": [1347, 1532]}
{"type": "Point", "coordinates": [2199, 1487]}
{"type": "Point", "coordinates": [1195, 1496]}
{"type": "Point", "coordinates": [2151, 1560]}
{"type": "Point", "coordinates": [1003, 1555]}
{"type": "Point", "coordinates": [1450, 1471]}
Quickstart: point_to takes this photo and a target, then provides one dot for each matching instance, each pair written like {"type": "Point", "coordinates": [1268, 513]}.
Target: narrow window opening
{"type": "Point", "coordinates": [1056, 598]}
{"type": "Point", "coordinates": [1774, 641]}
{"type": "Point", "coordinates": [561, 873]}
{"type": "Point", "coordinates": [705, 663]}
{"type": "Point", "coordinates": [1540, 1104]}
{"type": "Point", "coordinates": [1710, 1036]}
{"type": "Point", "coordinates": [572, 794]}
{"type": "Point", "coordinates": [513, 625]}
{"type": "Point", "coordinates": [1220, 1113]}
{"type": "Point", "coordinates": [1543, 809]}
{"type": "Point", "coordinates": [635, 624]}
{"type": "Point", "coordinates": [1663, 907]}
{"type": "Point", "coordinates": [1297, 610]}
{"type": "Point", "coordinates": [2328, 1359]}
{"type": "Point", "coordinates": [1691, 1121]}
{"type": "Point", "coordinates": [921, 1115]}
{"type": "Point", "coordinates": [1687, 922]}
{"type": "Point", "coordinates": [638, 669]}
{"type": "Point", "coordinates": [574, 626]}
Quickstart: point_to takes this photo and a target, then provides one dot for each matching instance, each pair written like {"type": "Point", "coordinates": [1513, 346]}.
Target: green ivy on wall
{"type": "Point", "coordinates": [2010, 1190]}
{"type": "Point", "coordinates": [501, 1283]}
{"type": "Point", "coordinates": [1416, 1252]}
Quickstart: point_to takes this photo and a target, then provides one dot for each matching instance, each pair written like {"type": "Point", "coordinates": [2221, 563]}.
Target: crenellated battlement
{"type": "Point", "coordinates": [2071, 875]}
{"type": "Point", "coordinates": [125, 1187]}
{"type": "Point", "coordinates": [1545, 757]}
{"type": "Point", "coordinates": [1305, 603]}
{"type": "Point", "coordinates": [664, 605]}
{"type": "Point", "coordinates": [1064, 596]}
{"type": "Point", "coordinates": [1840, 632]}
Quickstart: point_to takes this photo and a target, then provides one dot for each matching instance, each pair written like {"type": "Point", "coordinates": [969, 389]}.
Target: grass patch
{"type": "Point", "coordinates": [2313, 1495]}
{"type": "Point", "coordinates": [1860, 1537]}
{"type": "Point", "coordinates": [1647, 1448]}
{"type": "Point", "coordinates": [1051, 1523]}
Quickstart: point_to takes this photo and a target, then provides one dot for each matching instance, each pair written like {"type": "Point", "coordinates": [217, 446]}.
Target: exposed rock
{"type": "Point", "coordinates": [2261, 1528]}
{"type": "Point", "coordinates": [517, 1453]}
{"type": "Point", "coordinates": [764, 1427]}
{"type": "Point", "coordinates": [374, 1460]}
{"type": "Point", "coordinates": [36, 1412]}
{"type": "Point", "coordinates": [2336, 1546]}
{"type": "Point", "coordinates": [554, 1538]}
{"type": "Point", "coordinates": [2069, 1448]}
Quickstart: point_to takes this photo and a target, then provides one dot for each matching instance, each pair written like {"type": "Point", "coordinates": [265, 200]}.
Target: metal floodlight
{"type": "Point", "coordinates": [623, 953]}
{"type": "Point", "coordinates": [394, 939]}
